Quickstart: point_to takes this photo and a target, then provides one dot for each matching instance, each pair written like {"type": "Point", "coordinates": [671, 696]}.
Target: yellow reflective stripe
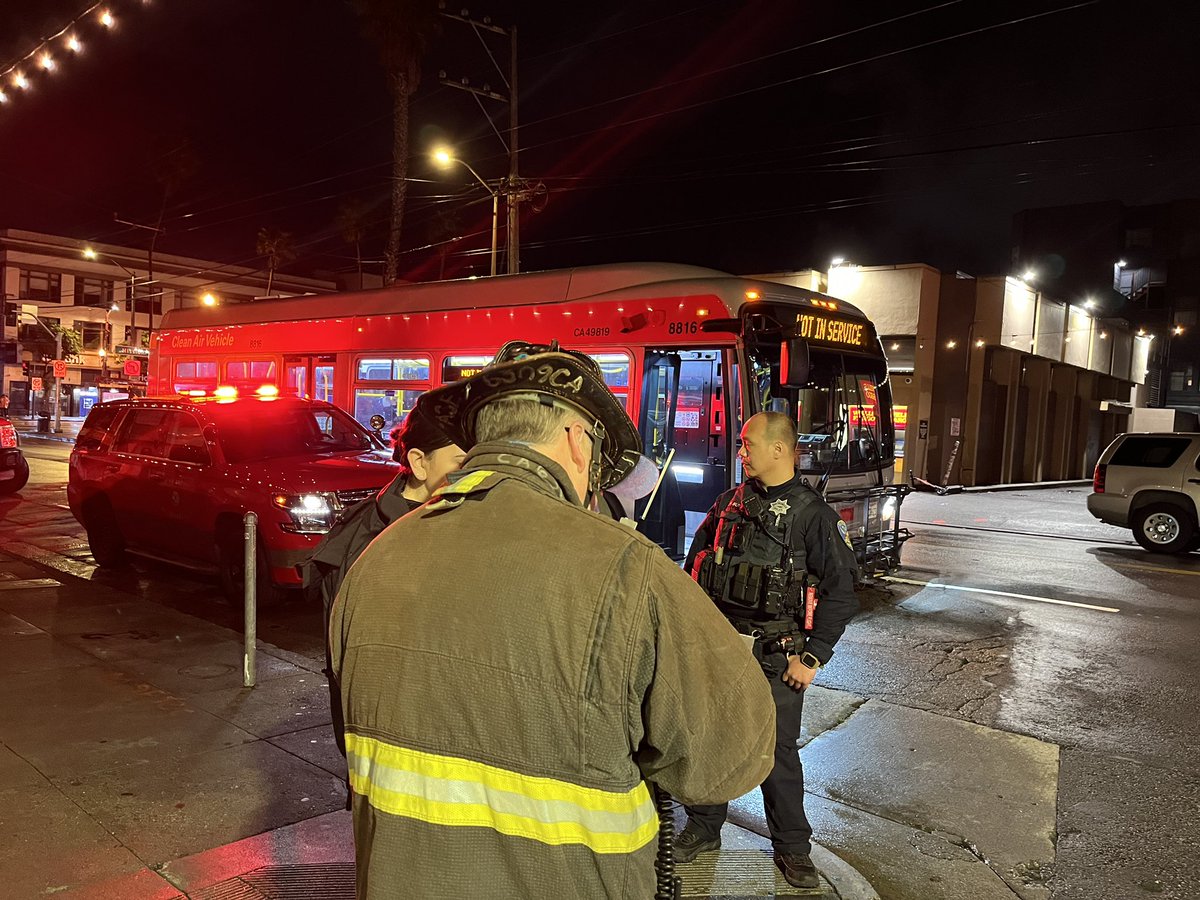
{"type": "Point", "coordinates": [466, 484]}
{"type": "Point", "coordinates": [445, 790]}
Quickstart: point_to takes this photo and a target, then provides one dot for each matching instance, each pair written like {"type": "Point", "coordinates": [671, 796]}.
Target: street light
{"type": "Point", "coordinates": [105, 341]}
{"type": "Point", "coordinates": [444, 158]}
{"type": "Point", "coordinates": [89, 253]}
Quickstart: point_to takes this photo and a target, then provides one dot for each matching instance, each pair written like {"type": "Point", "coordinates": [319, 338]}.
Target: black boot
{"type": "Point", "coordinates": [689, 845]}
{"type": "Point", "coordinates": [798, 870]}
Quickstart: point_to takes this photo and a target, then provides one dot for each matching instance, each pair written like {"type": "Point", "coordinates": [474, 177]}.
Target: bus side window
{"type": "Point", "coordinates": [389, 387]}
{"type": "Point", "coordinates": [615, 368]}
{"type": "Point", "coordinates": [194, 374]}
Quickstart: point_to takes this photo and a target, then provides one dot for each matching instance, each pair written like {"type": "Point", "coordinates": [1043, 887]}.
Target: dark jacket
{"type": "Point", "coordinates": [327, 568]}
{"type": "Point", "coordinates": [817, 535]}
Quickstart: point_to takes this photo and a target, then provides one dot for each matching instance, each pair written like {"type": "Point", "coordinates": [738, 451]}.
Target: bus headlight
{"type": "Point", "coordinates": [887, 509]}
{"type": "Point", "coordinates": [312, 513]}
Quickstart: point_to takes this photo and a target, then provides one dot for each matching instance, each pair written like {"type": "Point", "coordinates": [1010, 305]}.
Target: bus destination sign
{"type": "Point", "coordinates": [458, 373]}
{"type": "Point", "coordinates": [827, 329]}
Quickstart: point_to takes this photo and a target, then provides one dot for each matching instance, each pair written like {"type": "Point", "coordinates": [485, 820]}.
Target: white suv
{"type": "Point", "coordinates": [1151, 483]}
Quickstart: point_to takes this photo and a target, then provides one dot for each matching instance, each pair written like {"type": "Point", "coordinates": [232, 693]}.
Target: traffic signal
{"type": "Point", "coordinates": [10, 314]}
{"type": "Point", "coordinates": [24, 368]}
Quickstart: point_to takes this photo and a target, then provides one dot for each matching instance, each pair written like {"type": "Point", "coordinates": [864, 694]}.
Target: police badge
{"type": "Point", "coordinates": [779, 508]}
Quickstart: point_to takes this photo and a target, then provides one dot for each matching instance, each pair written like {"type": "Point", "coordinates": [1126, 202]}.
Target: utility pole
{"type": "Point", "coordinates": [57, 335]}
{"type": "Point", "coordinates": [157, 230]}
{"type": "Point", "coordinates": [512, 187]}
{"type": "Point", "coordinates": [514, 194]}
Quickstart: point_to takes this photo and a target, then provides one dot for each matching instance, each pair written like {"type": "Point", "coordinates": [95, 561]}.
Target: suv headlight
{"type": "Point", "coordinates": [312, 513]}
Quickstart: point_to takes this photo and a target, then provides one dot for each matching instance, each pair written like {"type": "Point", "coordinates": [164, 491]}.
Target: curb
{"type": "Point", "coordinates": [847, 881]}
{"type": "Point", "coordinates": [1027, 486]}
{"type": "Point", "coordinates": [54, 438]}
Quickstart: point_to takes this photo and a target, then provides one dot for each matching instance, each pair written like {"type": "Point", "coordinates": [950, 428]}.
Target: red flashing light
{"type": "Point", "coordinates": [8, 435]}
{"type": "Point", "coordinates": [225, 392]}
{"type": "Point", "coordinates": [267, 390]}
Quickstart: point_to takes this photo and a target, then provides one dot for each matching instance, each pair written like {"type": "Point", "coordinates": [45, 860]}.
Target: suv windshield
{"type": "Point", "coordinates": [270, 431]}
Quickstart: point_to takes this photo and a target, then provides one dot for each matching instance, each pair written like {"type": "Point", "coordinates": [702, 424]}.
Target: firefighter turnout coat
{"type": "Point", "coordinates": [513, 669]}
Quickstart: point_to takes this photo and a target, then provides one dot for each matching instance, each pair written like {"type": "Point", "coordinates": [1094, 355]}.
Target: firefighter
{"type": "Point", "coordinates": [515, 668]}
{"type": "Point", "coordinates": [778, 563]}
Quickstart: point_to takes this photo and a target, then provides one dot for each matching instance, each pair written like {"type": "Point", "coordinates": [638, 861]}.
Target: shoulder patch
{"type": "Point", "coordinates": [844, 532]}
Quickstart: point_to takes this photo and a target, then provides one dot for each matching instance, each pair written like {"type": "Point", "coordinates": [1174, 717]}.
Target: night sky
{"type": "Point", "coordinates": [743, 136]}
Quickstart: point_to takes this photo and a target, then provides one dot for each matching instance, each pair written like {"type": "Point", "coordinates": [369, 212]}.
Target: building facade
{"type": "Point", "coordinates": [994, 381]}
{"type": "Point", "coordinates": [111, 299]}
{"type": "Point", "coordinates": [1142, 262]}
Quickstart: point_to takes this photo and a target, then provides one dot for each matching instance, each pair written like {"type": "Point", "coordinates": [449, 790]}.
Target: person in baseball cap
{"type": "Point", "coordinates": [565, 380]}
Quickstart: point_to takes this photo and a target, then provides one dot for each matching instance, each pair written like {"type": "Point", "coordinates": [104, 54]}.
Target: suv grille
{"type": "Point", "coordinates": [349, 498]}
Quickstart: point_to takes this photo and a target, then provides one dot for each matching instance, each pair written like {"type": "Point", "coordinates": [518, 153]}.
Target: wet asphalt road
{"type": "Point", "coordinates": [1113, 688]}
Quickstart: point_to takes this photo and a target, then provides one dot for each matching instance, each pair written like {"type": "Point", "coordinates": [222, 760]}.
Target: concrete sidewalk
{"type": "Point", "coordinates": [136, 765]}
{"type": "Point", "coordinates": [69, 428]}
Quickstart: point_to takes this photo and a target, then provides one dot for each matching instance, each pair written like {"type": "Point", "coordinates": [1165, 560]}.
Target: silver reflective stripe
{"type": "Point", "coordinates": [451, 791]}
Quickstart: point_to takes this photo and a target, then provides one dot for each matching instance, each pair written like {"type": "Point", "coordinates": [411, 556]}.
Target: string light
{"type": "Point", "coordinates": [67, 38]}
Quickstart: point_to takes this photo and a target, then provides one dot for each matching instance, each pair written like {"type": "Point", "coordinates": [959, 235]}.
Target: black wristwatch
{"type": "Point", "coordinates": [810, 660]}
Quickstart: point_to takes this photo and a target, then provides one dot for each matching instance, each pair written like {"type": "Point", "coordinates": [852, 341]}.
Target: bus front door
{"type": "Point", "coordinates": [310, 377]}
{"type": "Point", "coordinates": [685, 408]}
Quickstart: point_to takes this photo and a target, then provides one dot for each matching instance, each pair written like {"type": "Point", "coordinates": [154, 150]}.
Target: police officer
{"type": "Point", "coordinates": [778, 562]}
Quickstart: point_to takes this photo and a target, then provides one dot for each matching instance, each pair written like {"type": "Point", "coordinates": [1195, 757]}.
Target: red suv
{"type": "Point", "coordinates": [14, 469]}
{"type": "Point", "coordinates": [172, 479]}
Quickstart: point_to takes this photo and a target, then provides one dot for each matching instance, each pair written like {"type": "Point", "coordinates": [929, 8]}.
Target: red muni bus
{"type": "Point", "coordinates": [691, 352]}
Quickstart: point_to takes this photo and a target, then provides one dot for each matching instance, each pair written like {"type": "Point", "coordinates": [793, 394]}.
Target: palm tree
{"type": "Point", "coordinates": [276, 246]}
{"type": "Point", "coordinates": [351, 222]}
{"type": "Point", "coordinates": [401, 31]}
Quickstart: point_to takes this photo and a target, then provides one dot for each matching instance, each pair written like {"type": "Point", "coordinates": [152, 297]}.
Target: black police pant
{"type": "Point", "coordinates": [783, 791]}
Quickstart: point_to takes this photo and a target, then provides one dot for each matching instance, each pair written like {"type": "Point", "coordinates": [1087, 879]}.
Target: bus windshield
{"type": "Point", "coordinates": [843, 412]}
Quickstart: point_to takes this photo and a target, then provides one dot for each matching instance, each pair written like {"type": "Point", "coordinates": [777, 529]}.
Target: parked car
{"type": "Point", "coordinates": [1151, 484]}
{"type": "Point", "coordinates": [173, 478]}
{"type": "Point", "coordinates": [14, 468]}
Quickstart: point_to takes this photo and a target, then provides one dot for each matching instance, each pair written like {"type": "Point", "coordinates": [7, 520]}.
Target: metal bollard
{"type": "Point", "coordinates": [249, 573]}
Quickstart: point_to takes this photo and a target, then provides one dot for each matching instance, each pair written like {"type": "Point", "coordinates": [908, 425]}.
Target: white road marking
{"type": "Point", "coordinates": [971, 590]}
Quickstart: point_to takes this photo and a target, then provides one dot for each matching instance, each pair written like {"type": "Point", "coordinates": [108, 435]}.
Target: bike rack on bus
{"type": "Point", "coordinates": [878, 547]}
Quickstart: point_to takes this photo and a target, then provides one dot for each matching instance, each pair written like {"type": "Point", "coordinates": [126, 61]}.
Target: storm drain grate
{"type": "Point", "coordinates": [332, 881]}
{"type": "Point", "coordinates": [731, 874]}
{"type": "Point", "coordinates": [728, 875]}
